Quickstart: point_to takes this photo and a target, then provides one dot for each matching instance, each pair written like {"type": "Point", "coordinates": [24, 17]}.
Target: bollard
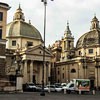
{"type": "Point", "coordinates": [49, 90]}
{"type": "Point", "coordinates": [79, 91]}
{"type": "Point", "coordinates": [93, 92]}
{"type": "Point", "coordinates": [64, 91]}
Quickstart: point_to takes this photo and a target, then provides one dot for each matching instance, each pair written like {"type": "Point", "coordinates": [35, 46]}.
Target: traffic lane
{"type": "Point", "coordinates": [48, 96]}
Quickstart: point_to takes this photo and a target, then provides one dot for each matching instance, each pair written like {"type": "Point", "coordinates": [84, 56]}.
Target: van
{"type": "Point", "coordinates": [78, 85]}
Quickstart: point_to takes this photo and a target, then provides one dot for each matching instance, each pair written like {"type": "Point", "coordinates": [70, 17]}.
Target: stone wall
{"type": "Point", "coordinates": [2, 59]}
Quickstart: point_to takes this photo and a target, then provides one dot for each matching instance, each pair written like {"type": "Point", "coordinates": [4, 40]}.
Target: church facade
{"type": "Point", "coordinates": [63, 61]}
{"type": "Point", "coordinates": [82, 61]}
{"type": "Point", "coordinates": [24, 51]}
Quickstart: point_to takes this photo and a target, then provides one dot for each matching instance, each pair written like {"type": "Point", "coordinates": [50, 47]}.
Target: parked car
{"type": "Point", "coordinates": [38, 88]}
{"type": "Point", "coordinates": [64, 86]}
{"type": "Point", "coordinates": [58, 88]}
{"type": "Point", "coordinates": [29, 87]}
{"type": "Point", "coordinates": [53, 88]}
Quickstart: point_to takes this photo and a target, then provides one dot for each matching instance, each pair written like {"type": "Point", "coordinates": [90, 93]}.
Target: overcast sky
{"type": "Point", "coordinates": [79, 13]}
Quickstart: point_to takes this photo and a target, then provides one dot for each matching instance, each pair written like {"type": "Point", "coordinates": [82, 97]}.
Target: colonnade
{"type": "Point", "coordinates": [28, 67]}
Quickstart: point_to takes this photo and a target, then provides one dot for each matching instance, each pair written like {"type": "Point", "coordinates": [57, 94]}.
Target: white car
{"type": "Point", "coordinates": [30, 87]}
{"type": "Point", "coordinates": [63, 84]}
{"type": "Point", "coordinates": [58, 88]}
{"type": "Point", "coordinates": [52, 88]}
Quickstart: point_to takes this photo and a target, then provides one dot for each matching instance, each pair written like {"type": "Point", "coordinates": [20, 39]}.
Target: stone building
{"type": "Point", "coordinates": [26, 41]}
{"type": "Point", "coordinates": [3, 21]}
{"type": "Point", "coordinates": [82, 61]}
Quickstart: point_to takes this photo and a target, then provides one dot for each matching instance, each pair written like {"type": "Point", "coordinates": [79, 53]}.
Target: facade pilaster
{"type": "Point", "coordinates": [45, 73]}
{"type": "Point", "coordinates": [25, 75]}
{"type": "Point", "coordinates": [31, 71]}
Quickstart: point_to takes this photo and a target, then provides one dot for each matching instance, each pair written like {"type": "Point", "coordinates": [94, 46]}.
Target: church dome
{"type": "Point", "coordinates": [19, 28]}
{"type": "Point", "coordinates": [91, 38]}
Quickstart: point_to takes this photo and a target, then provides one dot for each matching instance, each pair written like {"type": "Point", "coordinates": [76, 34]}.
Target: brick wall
{"type": "Point", "coordinates": [2, 50]}
{"type": "Point", "coordinates": [2, 67]}
{"type": "Point", "coordinates": [2, 59]}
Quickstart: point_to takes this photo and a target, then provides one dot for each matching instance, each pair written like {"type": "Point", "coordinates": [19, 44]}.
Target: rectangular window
{"type": "Point", "coordinates": [29, 43]}
{"type": "Point", "coordinates": [14, 43]}
{"type": "Point", "coordinates": [1, 16]}
{"type": "Point", "coordinates": [69, 44]}
{"type": "Point", "coordinates": [79, 52]}
{"type": "Point", "coordinates": [58, 72]}
{"type": "Point", "coordinates": [63, 75]}
{"type": "Point", "coordinates": [90, 51]}
{"type": "Point", "coordinates": [0, 33]}
{"type": "Point", "coordinates": [64, 45]}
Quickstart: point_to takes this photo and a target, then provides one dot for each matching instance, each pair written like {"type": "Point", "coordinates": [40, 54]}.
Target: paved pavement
{"type": "Point", "coordinates": [48, 96]}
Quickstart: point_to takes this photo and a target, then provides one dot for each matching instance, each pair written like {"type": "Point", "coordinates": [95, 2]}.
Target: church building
{"type": "Point", "coordinates": [24, 51]}
{"type": "Point", "coordinates": [82, 61]}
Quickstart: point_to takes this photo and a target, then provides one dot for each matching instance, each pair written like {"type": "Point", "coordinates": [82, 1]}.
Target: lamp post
{"type": "Point", "coordinates": [45, 4]}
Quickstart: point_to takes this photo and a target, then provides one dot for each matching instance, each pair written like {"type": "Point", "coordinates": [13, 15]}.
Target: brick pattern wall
{"type": "Point", "coordinates": [2, 50]}
{"type": "Point", "coordinates": [2, 67]}
{"type": "Point", "coordinates": [2, 60]}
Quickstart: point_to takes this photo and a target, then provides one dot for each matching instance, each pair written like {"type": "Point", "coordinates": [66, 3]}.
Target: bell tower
{"type": "Point", "coordinates": [94, 23]}
{"type": "Point", "coordinates": [67, 44]}
{"type": "Point", "coordinates": [68, 39]}
{"type": "Point", "coordinates": [19, 15]}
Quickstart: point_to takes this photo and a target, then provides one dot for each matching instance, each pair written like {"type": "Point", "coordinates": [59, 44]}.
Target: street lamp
{"type": "Point", "coordinates": [45, 4]}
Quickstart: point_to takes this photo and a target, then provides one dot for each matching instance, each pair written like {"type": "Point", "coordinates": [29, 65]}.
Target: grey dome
{"type": "Point", "coordinates": [23, 29]}
{"type": "Point", "coordinates": [91, 38]}
{"type": "Point", "coordinates": [19, 28]}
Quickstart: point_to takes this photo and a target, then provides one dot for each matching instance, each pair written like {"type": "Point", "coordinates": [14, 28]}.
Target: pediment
{"type": "Point", "coordinates": [38, 50]}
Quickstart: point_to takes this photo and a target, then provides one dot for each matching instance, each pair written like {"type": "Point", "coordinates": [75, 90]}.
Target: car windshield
{"type": "Point", "coordinates": [68, 84]}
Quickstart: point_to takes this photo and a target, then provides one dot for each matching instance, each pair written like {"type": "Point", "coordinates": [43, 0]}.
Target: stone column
{"type": "Point", "coordinates": [49, 76]}
{"type": "Point", "coordinates": [49, 69]}
{"type": "Point", "coordinates": [98, 76]}
{"type": "Point", "coordinates": [25, 72]}
{"type": "Point", "coordinates": [45, 73]}
{"type": "Point", "coordinates": [31, 71]}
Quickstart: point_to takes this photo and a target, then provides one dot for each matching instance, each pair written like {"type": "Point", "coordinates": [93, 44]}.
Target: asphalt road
{"type": "Point", "coordinates": [48, 96]}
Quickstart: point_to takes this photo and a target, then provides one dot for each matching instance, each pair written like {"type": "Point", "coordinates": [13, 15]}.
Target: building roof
{"type": "Point", "coordinates": [19, 28]}
{"type": "Point", "coordinates": [4, 5]}
{"type": "Point", "coordinates": [91, 38]}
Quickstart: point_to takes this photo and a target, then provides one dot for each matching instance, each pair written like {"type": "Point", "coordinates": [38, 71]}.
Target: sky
{"type": "Point", "coordinates": [78, 13]}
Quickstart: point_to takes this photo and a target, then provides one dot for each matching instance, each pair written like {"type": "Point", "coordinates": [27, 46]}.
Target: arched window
{"type": "Point", "coordinates": [73, 71]}
{"type": "Point", "coordinates": [20, 16]}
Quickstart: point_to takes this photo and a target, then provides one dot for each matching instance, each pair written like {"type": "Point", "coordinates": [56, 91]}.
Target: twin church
{"type": "Point", "coordinates": [21, 42]}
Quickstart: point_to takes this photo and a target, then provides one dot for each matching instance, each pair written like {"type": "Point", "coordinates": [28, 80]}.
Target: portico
{"type": "Point", "coordinates": [32, 65]}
